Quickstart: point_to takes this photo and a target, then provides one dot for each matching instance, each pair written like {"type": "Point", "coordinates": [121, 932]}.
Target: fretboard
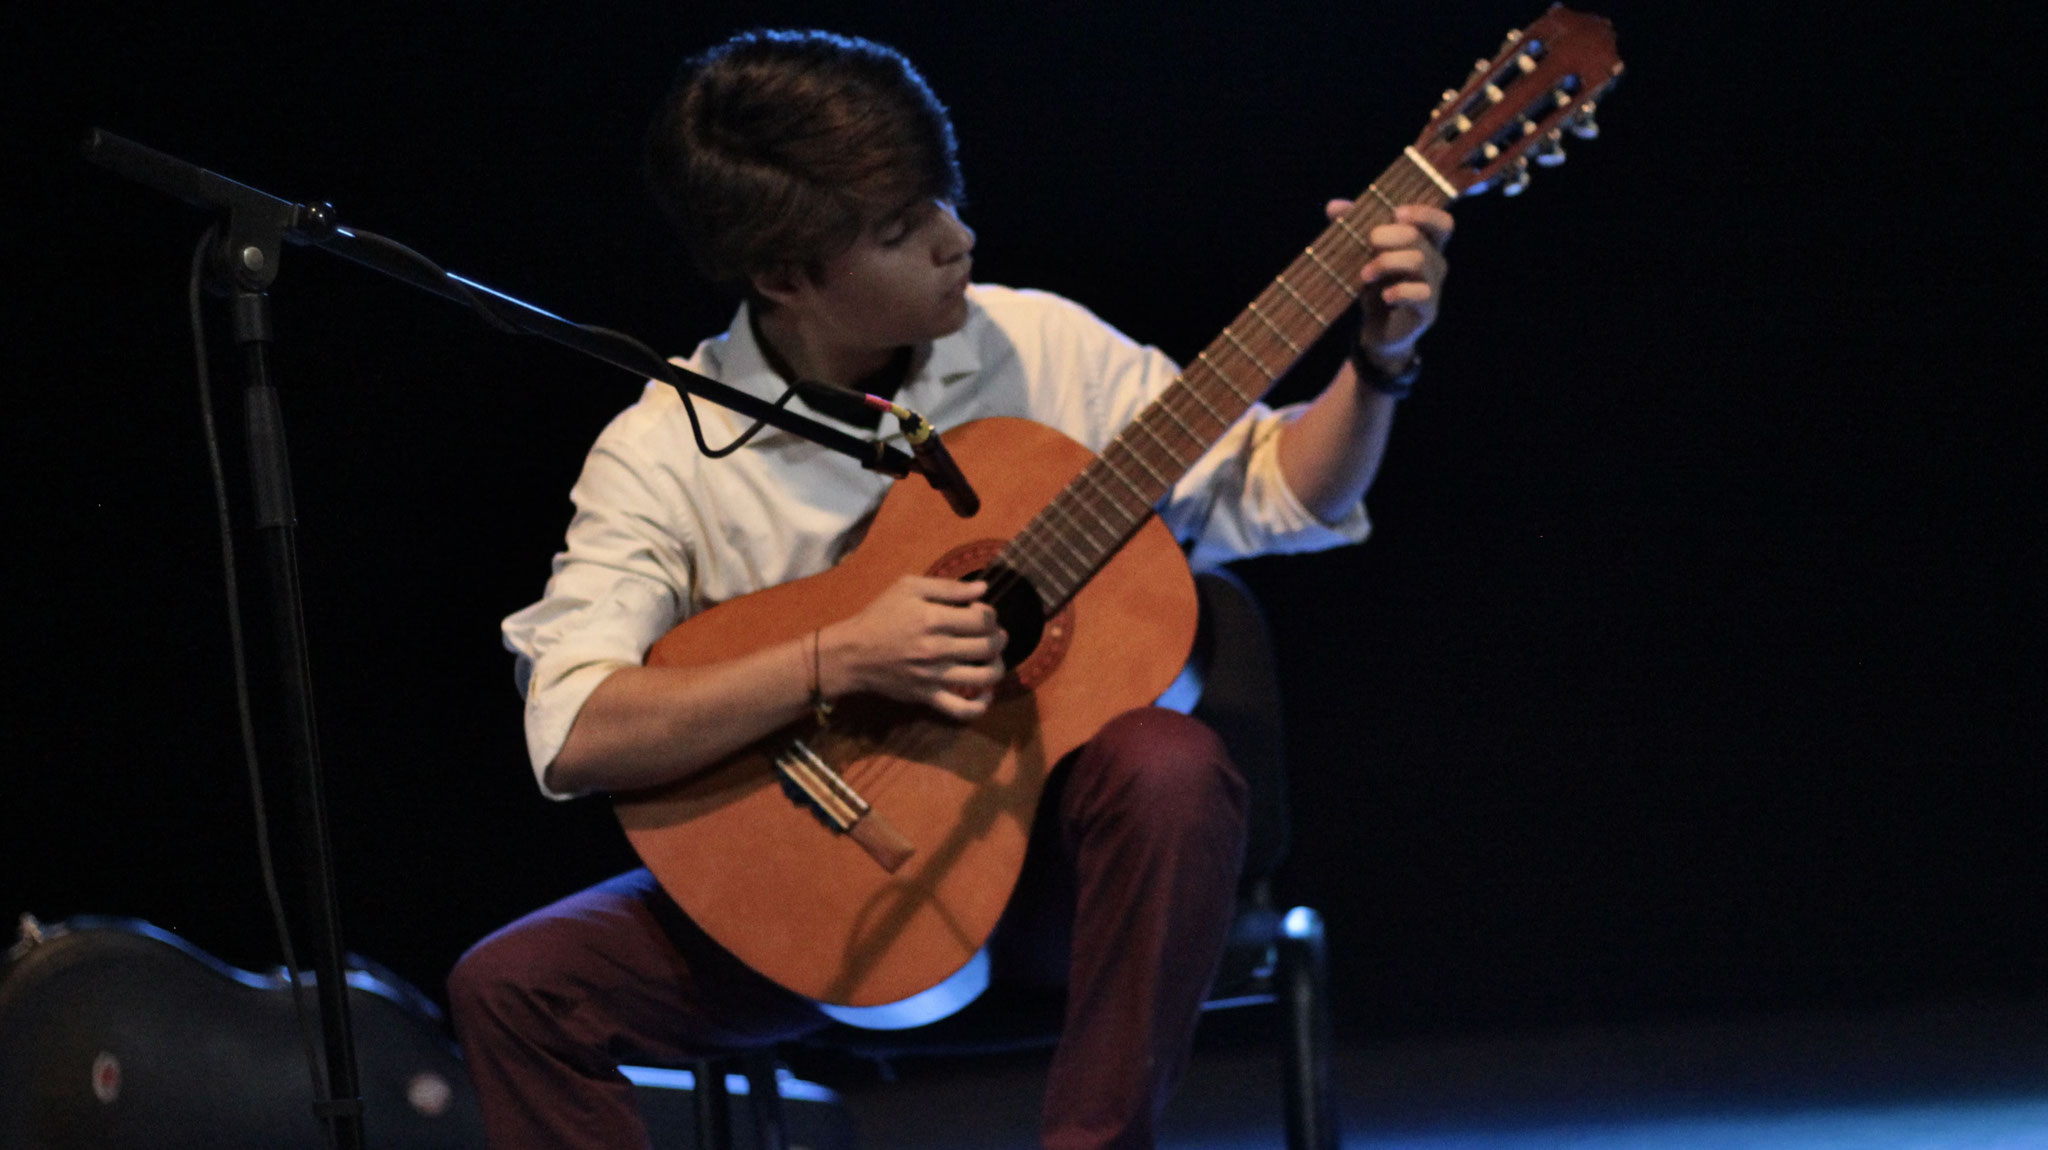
{"type": "Point", "coordinates": [1074, 535]}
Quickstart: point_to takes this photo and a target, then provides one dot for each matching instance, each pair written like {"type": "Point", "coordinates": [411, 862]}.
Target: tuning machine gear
{"type": "Point", "coordinates": [1583, 125]}
{"type": "Point", "coordinates": [1516, 178]}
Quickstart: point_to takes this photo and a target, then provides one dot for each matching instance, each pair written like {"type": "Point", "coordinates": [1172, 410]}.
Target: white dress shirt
{"type": "Point", "coordinates": [661, 532]}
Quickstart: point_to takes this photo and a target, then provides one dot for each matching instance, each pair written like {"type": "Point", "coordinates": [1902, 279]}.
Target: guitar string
{"type": "Point", "coordinates": [876, 773]}
{"type": "Point", "coordinates": [1282, 291]}
{"type": "Point", "coordinates": [1032, 540]}
{"type": "Point", "coordinates": [1092, 510]}
{"type": "Point", "coordinates": [1037, 548]}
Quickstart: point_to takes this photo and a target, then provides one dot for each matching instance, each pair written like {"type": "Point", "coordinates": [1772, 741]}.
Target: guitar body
{"type": "Point", "coordinates": [804, 904]}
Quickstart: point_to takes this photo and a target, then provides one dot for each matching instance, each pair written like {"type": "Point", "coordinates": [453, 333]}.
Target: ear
{"type": "Point", "coordinates": [781, 285]}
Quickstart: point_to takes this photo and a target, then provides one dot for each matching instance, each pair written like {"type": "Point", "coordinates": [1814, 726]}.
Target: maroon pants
{"type": "Point", "coordinates": [1127, 893]}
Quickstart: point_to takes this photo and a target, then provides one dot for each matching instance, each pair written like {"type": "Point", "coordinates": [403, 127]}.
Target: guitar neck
{"type": "Point", "coordinates": [1083, 526]}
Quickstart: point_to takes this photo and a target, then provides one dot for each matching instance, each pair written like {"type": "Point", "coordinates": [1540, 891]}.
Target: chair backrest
{"type": "Point", "coordinates": [1241, 701]}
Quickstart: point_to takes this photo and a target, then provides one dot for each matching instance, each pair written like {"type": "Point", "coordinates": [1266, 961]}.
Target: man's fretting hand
{"type": "Point", "coordinates": [1407, 269]}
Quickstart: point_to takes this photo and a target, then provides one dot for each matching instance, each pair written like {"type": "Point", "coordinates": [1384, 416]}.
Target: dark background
{"type": "Point", "coordinates": [1695, 669]}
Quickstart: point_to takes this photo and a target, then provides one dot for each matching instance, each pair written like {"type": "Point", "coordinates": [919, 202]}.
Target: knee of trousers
{"type": "Point", "coordinates": [1169, 770]}
{"type": "Point", "coordinates": [493, 980]}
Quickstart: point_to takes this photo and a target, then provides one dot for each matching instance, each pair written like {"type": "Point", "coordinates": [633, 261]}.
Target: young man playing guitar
{"type": "Point", "coordinates": [816, 174]}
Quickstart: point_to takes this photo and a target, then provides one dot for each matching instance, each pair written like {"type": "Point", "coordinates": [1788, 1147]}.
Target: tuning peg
{"type": "Point", "coordinates": [1550, 153]}
{"type": "Point", "coordinates": [1514, 37]}
{"type": "Point", "coordinates": [1584, 126]}
{"type": "Point", "coordinates": [1517, 178]}
{"type": "Point", "coordinates": [1450, 96]}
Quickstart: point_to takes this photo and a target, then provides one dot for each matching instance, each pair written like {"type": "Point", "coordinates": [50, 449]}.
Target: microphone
{"type": "Point", "coordinates": [933, 461]}
{"type": "Point", "coordinates": [937, 463]}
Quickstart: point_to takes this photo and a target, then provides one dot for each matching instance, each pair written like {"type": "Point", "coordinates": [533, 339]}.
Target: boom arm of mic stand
{"type": "Point", "coordinates": [315, 225]}
{"type": "Point", "coordinates": [871, 454]}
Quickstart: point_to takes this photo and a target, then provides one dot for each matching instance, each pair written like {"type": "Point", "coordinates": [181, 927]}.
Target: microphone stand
{"type": "Point", "coordinates": [245, 263]}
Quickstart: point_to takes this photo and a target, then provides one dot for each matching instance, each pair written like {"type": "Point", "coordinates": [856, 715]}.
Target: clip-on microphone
{"type": "Point", "coordinates": [933, 460]}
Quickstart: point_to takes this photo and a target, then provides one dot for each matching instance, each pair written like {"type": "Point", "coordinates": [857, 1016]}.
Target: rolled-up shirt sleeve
{"type": "Point", "coordinates": [620, 583]}
{"type": "Point", "coordinates": [1235, 502]}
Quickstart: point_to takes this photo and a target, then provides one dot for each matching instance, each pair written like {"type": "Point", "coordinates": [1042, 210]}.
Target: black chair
{"type": "Point", "coordinates": [1274, 957]}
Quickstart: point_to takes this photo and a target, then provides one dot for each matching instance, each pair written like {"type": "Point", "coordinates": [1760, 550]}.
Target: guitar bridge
{"type": "Point", "coordinates": [813, 782]}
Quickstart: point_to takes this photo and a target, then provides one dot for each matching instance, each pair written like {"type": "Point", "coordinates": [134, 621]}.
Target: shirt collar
{"type": "Point", "coordinates": [944, 362]}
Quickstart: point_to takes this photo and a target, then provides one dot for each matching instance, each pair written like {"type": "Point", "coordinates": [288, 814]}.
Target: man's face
{"type": "Point", "coordinates": [903, 282]}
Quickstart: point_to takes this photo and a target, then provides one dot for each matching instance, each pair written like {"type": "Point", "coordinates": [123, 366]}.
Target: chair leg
{"type": "Point", "coordinates": [764, 1099]}
{"type": "Point", "coordinates": [1303, 976]}
{"type": "Point", "coordinates": [714, 1106]}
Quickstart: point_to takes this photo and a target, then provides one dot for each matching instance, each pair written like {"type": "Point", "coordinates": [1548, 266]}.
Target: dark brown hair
{"type": "Point", "coordinates": [778, 148]}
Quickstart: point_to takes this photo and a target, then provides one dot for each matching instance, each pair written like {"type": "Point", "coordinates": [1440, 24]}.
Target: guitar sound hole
{"type": "Point", "coordinates": [1017, 609]}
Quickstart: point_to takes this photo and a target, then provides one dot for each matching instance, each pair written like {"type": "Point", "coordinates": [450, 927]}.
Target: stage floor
{"type": "Point", "coordinates": [1937, 1077]}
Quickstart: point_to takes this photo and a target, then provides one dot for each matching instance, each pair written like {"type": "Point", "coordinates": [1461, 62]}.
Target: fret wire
{"type": "Point", "coordinates": [1062, 570]}
{"type": "Point", "coordinates": [1362, 248]}
{"type": "Point", "coordinates": [1035, 572]}
{"type": "Point", "coordinates": [1043, 551]}
{"type": "Point", "coordinates": [1043, 535]}
{"type": "Point", "coordinates": [1364, 244]}
{"type": "Point", "coordinates": [1374, 188]}
{"type": "Point", "coordinates": [1117, 530]}
{"type": "Point", "coordinates": [1101, 498]}
{"type": "Point", "coordinates": [1158, 439]}
{"type": "Point", "coordinates": [1275, 328]}
{"type": "Point", "coordinates": [1121, 505]}
{"type": "Point", "coordinates": [1328, 297]}
{"type": "Point", "coordinates": [1301, 302]}
{"type": "Point", "coordinates": [1079, 508]}
{"type": "Point", "coordinates": [1315, 258]}
{"type": "Point", "coordinates": [1127, 444]}
{"type": "Point", "coordinates": [1194, 391]}
{"type": "Point", "coordinates": [1079, 526]}
{"type": "Point", "coordinates": [1246, 352]}
{"type": "Point", "coordinates": [1237, 392]}
{"type": "Point", "coordinates": [1017, 554]}
{"type": "Point", "coordinates": [1178, 421]}
{"type": "Point", "coordinates": [1197, 391]}
{"type": "Point", "coordinates": [1111, 467]}
{"type": "Point", "coordinates": [1065, 551]}
{"type": "Point", "coordinates": [1055, 589]}
{"type": "Point", "coordinates": [1055, 582]}
{"type": "Point", "coordinates": [1143, 462]}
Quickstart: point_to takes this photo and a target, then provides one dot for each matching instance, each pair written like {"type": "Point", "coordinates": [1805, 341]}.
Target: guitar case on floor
{"type": "Point", "coordinates": [117, 1034]}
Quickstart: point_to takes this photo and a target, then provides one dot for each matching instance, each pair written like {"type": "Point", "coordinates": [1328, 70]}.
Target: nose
{"type": "Point", "coordinates": [956, 239]}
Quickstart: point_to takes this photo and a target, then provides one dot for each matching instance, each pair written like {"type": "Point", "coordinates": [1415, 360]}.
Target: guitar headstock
{"type": "Point", "coordinates": [1516, 107]}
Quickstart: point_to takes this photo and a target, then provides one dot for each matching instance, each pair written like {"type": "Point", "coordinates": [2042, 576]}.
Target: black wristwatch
{"type": "Point", "coordinates": [1395, 386]}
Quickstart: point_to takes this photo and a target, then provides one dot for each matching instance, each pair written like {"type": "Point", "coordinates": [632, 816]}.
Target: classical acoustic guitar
{"type": "Point", "coordinates": [866, 860]}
